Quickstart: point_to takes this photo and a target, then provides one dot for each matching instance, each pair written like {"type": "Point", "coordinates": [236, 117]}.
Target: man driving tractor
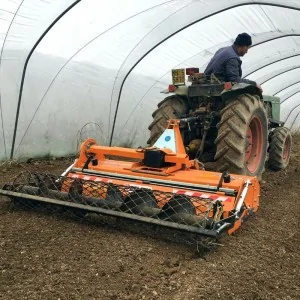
{"type": "Point", "coordinates": [226, 62]}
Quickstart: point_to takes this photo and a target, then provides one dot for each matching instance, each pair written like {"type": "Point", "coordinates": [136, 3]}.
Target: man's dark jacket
{"type": "Point", "coordinates": [226, 64]}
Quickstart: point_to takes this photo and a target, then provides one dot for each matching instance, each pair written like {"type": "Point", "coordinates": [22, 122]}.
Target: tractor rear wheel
{"type": "Point", "coordinates": [279, 148]}
{"type": "Point", "coordinates": [242, 137]}
{"type": "Point", "coordinates": [170, 108]}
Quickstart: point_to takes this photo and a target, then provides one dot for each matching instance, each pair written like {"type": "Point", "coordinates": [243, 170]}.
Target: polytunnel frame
{"type": "Point", "coordinates": [280, 73]}
{"type": "Point", "coordinates": [1, 53]}
{"type": "Point", "coordinates": [290, 96]}
{"type": "Point", "coordinates": [25, 69]}
{"type": "Point", "coordinates": [272, 77]}
{"type": "Point", "coordinates": [291, 69]}
{"type": "Point", "coordinates": [134, 65]}
{"type": "Point", "coordinates": [294, 107]}
{"type": "Point", "coordinates": [74, 54]}
{"type": "Point", "coordinates": [297, 82]}
{"type": "Point", "coordinates": [286, 87]}
{"type": "Point", "coordinates": [295, 120]}
{"type": "Point", "coordinates": [273, 62]}
{"type": "Point", "coordinates": [293, 110]}
{"type": "Point", "coordinates": [298, 67]}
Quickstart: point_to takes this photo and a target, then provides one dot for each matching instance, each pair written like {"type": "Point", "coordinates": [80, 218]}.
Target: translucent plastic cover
{"type": "Point", "coordinates": [76, 69]}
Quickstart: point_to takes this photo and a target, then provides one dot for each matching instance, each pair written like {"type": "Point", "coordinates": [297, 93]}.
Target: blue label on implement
{"type": "Point", "coordinates": [167, 138]}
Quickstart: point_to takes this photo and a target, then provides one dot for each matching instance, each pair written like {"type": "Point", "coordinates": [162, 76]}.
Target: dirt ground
{"type": "Point", "coordinates": [45, 256]}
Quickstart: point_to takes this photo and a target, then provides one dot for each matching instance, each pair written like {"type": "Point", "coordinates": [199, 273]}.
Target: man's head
{"type": "Point", "coordinates": [242, 43]}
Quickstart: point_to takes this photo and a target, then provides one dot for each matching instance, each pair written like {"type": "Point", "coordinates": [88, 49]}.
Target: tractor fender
{"type": "Point", "coordinates": [239, 89]}
{"type": "Point", "coordinates": [180, 90]}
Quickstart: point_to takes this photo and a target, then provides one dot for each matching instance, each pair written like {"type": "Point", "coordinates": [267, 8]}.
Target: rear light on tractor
{"type": "Point", "coordinates": [172, 88]}
{"type": "Point", "coordinates": [227, 86]}
{"type": "Point", "coordinates": [191, 71]}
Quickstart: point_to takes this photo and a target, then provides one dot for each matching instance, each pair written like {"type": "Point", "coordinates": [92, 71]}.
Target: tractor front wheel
{"type": "Point", "coordinates": [242, 137]}
{"type": "Point", "coordinates": [280, 148]}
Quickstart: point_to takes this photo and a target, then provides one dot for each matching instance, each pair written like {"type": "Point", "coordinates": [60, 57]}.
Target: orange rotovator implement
{"type": "Point", "coordinates": [158, 185]}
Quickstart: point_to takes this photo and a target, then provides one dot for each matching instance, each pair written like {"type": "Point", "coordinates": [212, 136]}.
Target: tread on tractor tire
{"type": "Point", "coordinates": [170, 108]}
{"type": "Point", "coordinates": [279, 148]}
{"type": "Point", "coordinates": [242, 139]}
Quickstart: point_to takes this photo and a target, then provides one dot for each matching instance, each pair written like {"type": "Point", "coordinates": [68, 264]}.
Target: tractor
{"type": "Point", "coordinates": [226, 126]}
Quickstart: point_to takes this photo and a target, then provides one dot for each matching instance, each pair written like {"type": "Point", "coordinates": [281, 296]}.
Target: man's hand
{"type": "Point", "coordinates": [259, 87]}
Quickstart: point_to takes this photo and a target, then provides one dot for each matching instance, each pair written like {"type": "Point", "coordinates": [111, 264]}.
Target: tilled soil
{"type": "Point", "coordinates": [44, 256]}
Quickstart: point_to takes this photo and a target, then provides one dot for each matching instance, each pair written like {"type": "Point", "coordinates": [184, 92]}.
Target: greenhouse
{"type": "Point", "coordinates": [149, 149]}
{"type": "Point", "coordinates": [75, 69]}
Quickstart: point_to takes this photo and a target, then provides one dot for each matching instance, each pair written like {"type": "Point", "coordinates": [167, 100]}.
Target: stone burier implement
{"type": "Point", "coordinates": [159, 184]}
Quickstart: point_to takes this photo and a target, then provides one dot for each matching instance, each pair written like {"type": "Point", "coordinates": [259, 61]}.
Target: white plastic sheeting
{"type": "Point", "coordinates": [100, 69]}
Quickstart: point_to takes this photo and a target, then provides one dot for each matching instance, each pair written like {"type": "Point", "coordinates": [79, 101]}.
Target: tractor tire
{"type": "Point", "coordinates": [170, 108]}
{"type": "Point", "coordinates": [279, 148]}
{"type": "Point", "coordinates": [242, 141]}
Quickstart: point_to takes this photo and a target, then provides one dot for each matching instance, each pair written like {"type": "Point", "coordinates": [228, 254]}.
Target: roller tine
{"type": "Point", "coordinates": [113, 193]}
